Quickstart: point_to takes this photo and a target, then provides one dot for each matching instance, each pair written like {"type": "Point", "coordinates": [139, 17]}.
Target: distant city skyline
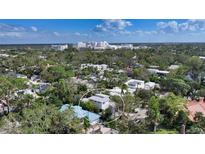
{"type": "Point", "coordinates": [32, 31]}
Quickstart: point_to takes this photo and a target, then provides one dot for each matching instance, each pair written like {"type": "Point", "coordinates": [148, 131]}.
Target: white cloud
{"type": "Point", "coordinates": [174, 26]}
{"type": "Point", "coordinates": [56, 33]}
{"type": "Point", "coordinates": [10, 34]}
{"type": "Point", "coordinates": [80, 34]}
{"type": "Point", "coordinates": [112, 25]}
{"type": "Point", "coordinates": [144, 32]}
{"type": "Point", "coordinates": [100, 28]}
{"type": "Point", "coordinates": [77, 33]}
{"type": "Point", "coordinates": [116, 27]}
{"type": "Point", "coordinates": [125, 32]}
{"type": "Point", "coordinates": [10, 28]}
{"type": "Point", "coordinates": [34, 29]}
{"type": "Point", "coordinates": [170, 26]}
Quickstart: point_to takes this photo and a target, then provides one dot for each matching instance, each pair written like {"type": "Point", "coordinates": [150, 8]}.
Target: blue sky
{"type": "Point", "coordinates": [111, 30]}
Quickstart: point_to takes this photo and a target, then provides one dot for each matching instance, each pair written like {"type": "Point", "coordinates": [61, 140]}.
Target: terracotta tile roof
{"type": "Point", "coordinates": [195, 106]}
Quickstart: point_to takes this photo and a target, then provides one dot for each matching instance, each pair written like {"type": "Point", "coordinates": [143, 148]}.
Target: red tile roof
{"type": "Point", "coordinates": [195, 106]}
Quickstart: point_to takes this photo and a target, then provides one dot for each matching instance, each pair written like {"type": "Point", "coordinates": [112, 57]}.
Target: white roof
{"type": "Point", "coordinates": [150, 83]}
{"type": "Point", "coordinates": [202, 57]}
{"type": "Point", "coordinates": [102, 95]}
{"type": "Point", "coordinates": [162, 72]}
{"type": "Point", "coordinates": [152, 70]}
{"type": "Point", "coordinates": [100, 98]}
{"type": "Point", "coordinates": [134, 82]}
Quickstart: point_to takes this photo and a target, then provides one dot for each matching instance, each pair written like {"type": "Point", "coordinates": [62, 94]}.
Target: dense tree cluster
{"type": "Point", "coordinates": [166, 114]}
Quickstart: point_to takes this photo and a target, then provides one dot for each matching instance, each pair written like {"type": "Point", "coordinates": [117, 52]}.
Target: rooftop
{"type": "Point", "coordinates": [100, 98]}
{"type": "Point", "coordinates": [194, 107]}
{"type": "Point", "coordinates": [80, 113]}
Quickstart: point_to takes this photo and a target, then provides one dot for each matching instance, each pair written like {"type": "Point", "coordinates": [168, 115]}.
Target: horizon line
{"type": "Point", "coordinates": [99, 41]}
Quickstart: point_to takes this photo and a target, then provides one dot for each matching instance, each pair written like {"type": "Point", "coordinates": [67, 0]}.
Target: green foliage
{"type": "Point", "coordinates": [177, 86]}
{"type": "Point", "coordinates": [86, 122]}
{"type": "Point", "coordinates": [45, 119]}
{"type": "Point", "coordinates": [9, 85]}
{"type": "Point", "coordinates": [64, 91]}
{"type": "Point", "coordinates": [154, 111]}
{"type": "Point", "coordinates": [130, 103]}
{"type": "Point", "coordinates": [195, 130]}
{"type": "Point", "coordinates": [165, 131]}
{"type": "Point", "coordinates": [81, 88]}
{"type": "Point", "coordinates": [106, 115]}
{"type": "Point", "coordinates": [144, 94]}
{"type": "Point", "coordinates": [170, 107]}
{"type": "Point", "coordinates": [55, 73]}
{"type": "Point", "coordinates": [141, 74]}
{"type": "Point", "coordinates": [90, 106]}
{"type": "Point", "coordinates": [41, 115]}
{"type": "Point", "coordinates": [195, 63]}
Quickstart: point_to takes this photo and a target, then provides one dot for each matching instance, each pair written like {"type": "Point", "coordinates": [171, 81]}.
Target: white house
{"type": "Point", "coordinates": [157, 71]}
{"type": "Point", "coordinates": [160, 72]}
{"type": "Point", "coordinates": [152, 70]}
{"type": "Point", "coordinates": [202, 57]}
{"type": "Point", "coordinates": [135, 84]}
{"type": "Point", "coordinates": [149, 85]}
{"type": "Point", "coordinates": [101, 101]}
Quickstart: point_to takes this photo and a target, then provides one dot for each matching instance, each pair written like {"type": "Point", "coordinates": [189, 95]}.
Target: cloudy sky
{"type": "Point", "coordinates": [112, 30]}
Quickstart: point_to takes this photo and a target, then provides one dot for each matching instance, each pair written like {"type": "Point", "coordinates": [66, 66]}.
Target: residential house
{"type": "Point", "coordinates": [150, 85]}
{"type": "Point", "coordinates": [101, 101]}
{"type": "Point", "coordinates": [135, 84]}
{"type": "Point", "coordinates": [194, 106]}
{"type": "Point", "coordinates": [157, 71]}
{"type": "Point", "coordinates": [80, 113]}
{"type": "Point", "coordinates": [202, 57]}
